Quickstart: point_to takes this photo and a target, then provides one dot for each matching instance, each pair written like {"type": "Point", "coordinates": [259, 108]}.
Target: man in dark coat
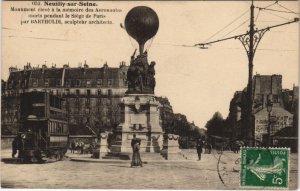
{"type": "Point", "coordinates": [73, 145]}
{"type": "Point", "coordinates": [15, 146]}
{"type": "Point", "coordinates": [199, 147]}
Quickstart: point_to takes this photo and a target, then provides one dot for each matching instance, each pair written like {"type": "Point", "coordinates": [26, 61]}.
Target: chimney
{"type": "Point", "coordinates": [12, 69]}
{"type": "Point", "coordinates": [85, 65]}
{"type": "Point", "coordinates": [122, 63]}
{"type": "Point", "coordinates": [105, 65]}
{"type": "Point", "coordinates": [43, 68]}
{"type": "Point", "coordinates": [66, 66]}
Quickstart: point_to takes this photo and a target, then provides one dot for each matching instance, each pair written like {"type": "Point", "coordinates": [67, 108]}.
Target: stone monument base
{"type": "Point", "coordinates": [139, 116]}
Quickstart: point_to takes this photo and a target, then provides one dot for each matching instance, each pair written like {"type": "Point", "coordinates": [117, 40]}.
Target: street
{"type": "Point", "coordinates": [92, 174]}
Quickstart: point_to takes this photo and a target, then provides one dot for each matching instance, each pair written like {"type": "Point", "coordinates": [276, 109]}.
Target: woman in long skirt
{"type": "Point", "coordinates": [136, 157]}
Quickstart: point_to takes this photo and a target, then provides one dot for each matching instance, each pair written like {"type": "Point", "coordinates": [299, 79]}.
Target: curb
{"type": "Point", "coordinates": [127, 161]}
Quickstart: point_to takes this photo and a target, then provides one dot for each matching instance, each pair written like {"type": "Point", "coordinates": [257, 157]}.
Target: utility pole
{"type": "Point", "coordinates": [250, 41]}
{"type": "Point", "coordinates": [248, 133]}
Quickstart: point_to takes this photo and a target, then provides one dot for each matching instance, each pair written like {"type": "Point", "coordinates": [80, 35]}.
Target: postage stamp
{"type": "Point", "coordinates": [264, 167]}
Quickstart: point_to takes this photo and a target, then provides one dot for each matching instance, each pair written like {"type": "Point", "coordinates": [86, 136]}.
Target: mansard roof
{"type": "Point", "coordinates": [91, 73]}
{"type": "Point", "coordinates": [35, 77]}
{"type": "Point", "coordinates": [17, 77]}
{"type": "Point", "coordinates": [41, 73]}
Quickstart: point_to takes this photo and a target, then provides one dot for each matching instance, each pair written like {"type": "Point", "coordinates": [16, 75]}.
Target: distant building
{"type": "Point", "coordinates": [283, 112]}
{"type": "Point", "coordinates": [280, 119]}
{"type": "Point", "coordinates": [82, 87]}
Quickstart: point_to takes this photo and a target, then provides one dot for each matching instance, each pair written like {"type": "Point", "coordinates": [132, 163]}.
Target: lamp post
{"type": "Point", "coordinates": [269, 109]}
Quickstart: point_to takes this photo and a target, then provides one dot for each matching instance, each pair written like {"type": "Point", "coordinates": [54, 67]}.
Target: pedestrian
{"type": "Point", "coordinates": [208, 147]}
{"type": "Point", "coordinates": [136, 157]}
{"type": "Point", "coordinates": [73, 146]}
{"type": "Point", "coordinates": [199, 146]}
{"type": "Point", "coordinates": [15, 146]}
{"type": "Point", "coordinates": [81, 147]}
{"type": "Point", "coordinates": [77, 147]}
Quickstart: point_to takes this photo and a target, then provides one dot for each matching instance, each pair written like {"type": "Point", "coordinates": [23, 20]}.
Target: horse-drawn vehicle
{"type": "Point", "coordinates": [44, 128]}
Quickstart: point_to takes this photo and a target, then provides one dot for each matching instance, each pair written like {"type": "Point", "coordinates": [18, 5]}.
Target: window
{"type": "Point", "coordinates": [46, 83]}
{"type": "Point", "coordinates": [109, 92]}
{"type": "Point", "coordinates": [109, 82]}
{"type": "Point", "coordinates": [98, 102]}
{"type": "Point", "coordinates": [275, 98]}
{"type": "Point", "coordinates": [88, 92]}
{"type": "Point", "coordinates": [68, 83]}
{"type": "Point", "coordinates": [77, 92]}
{"type": "Point", "coordinates": [99, 82]}
{"type": "Point", "coordinates": [67, 91]}
{"type": "Point", "coordinates": [77, 82]}
{"type": "Point", "coordinates": [88, 83]}
{"type": "Point", "coordinates": [99, 92]}
{"type": "Point", "coordinates": [35, 83]}
{"type": "Point", "coordinates": [58, 83]}
{"type": "Point", "coordinates": [88, 101]}
{"type": "Point", "coordinates": [77, 102]}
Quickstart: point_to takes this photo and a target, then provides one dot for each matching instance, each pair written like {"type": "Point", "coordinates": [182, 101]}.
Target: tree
{"type": "Point", "coordinates": [215, 125]}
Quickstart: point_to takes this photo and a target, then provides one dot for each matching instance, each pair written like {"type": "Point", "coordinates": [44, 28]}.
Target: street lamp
{"type": "Point", "coordinates": [269, 109]}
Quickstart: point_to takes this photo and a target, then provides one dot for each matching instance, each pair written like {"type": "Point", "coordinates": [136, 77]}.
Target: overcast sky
{"type": "Point", "coordinates": [198, 82]}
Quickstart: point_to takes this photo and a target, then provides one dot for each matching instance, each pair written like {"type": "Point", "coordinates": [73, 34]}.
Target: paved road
{"type": "Point", "coordinates": [189, 174]}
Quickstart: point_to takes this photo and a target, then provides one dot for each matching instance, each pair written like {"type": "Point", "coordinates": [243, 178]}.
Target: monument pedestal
{"type": "Point", "coordinates": [171, 149]}
{"type": "Point", "coordinates": [103, 149]}
{"type": "Point", "coordinates": [140, 116]}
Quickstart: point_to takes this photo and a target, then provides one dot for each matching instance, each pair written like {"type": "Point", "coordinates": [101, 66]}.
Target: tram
{"type": "Point", "coordinates": [44, 131]}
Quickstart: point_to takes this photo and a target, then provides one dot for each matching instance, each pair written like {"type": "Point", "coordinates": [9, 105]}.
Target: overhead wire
{"type": "Point", "coordinates": [266, 49]}
{"type": "Point", "coordinates": [287, 9]}
{"type": "Point", "coordinates": [240, 25]}
{"type": "Point", "coordinates": [235, 21]}
{"type": "Point", "coordinates": [276, 15]}
{"type": "Point", "coordinates": [271, 4]}
{"type": "Point", "coordinates": [257, 15]}
{"type": "Point", "coordinates": [226, 26]}
{"type": "Point", "coordinates": [260, 8]}
{"type": "Point", "coordinates": [235, 28]}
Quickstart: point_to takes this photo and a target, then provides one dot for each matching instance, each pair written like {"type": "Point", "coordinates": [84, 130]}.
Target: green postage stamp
{"type": "Point", "coordinates": [264, 167]}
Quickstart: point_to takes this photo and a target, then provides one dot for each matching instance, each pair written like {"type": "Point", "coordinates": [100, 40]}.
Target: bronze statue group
{"type": "Point", "coordinates": [140, 75]}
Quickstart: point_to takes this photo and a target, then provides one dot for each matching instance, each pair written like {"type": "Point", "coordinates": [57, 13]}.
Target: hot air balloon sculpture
{"type": "Point", "coordinates": [141, 23]}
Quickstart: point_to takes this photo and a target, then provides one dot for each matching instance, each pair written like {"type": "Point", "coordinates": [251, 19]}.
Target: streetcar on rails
{"type": "Point", "coordinates": [44, 131]}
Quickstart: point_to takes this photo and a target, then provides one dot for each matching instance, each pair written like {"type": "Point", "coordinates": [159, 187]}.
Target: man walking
{"type": "Point", "coordinates": [73, 145]}
{"type": "Point", "coordinates": [199, 147]}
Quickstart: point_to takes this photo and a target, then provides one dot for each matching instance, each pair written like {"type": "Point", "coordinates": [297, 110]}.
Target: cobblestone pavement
{"type": "Point", "coordinates": [180, 174]}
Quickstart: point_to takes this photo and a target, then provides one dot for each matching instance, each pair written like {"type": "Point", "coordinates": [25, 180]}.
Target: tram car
{"type": "Point", "coordinates": [44, 131]}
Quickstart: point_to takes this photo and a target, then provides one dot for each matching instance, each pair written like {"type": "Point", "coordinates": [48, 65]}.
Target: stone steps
{"type": "Point", "coordinates": [151, 156]}
{"type": "Point", "coordinates": [117, 156]}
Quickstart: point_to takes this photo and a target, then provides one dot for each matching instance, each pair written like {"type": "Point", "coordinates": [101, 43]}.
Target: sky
{"type": "Point", "coordinates": [197, 82]}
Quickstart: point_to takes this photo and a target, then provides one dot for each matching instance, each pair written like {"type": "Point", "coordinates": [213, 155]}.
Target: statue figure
{"type": "Point", "coordinates": [140, 75]}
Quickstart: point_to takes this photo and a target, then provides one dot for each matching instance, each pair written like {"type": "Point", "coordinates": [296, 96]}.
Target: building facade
{"type": "Point", "coordinates": [266, 87]}
{"type": "Point", "coordinates": [91, 95]}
